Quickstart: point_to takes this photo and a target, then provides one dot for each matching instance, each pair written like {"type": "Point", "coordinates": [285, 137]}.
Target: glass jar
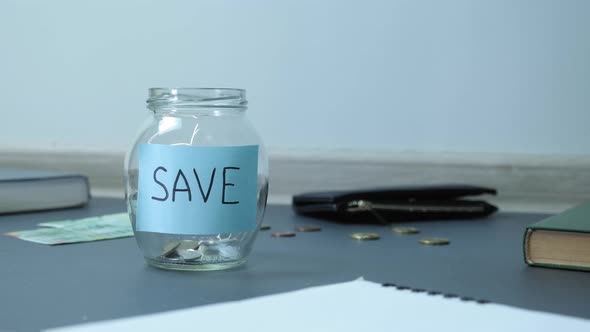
{"type": "Point", "coordinates": [196, 180]}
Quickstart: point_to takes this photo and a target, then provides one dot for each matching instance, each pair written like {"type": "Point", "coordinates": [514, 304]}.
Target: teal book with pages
{"type": "Point", "coordinates": [560, 241]}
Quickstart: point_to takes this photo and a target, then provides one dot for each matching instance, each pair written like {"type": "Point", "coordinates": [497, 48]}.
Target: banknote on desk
{"type": "Point", "coordinates": [104, 227]}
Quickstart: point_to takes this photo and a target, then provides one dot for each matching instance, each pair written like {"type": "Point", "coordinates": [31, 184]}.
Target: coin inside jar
{"type": "Point", "coordinates": [170, 248]}
{"type": "Point", "coordinates": [185, 249]}
{"type": "Point", "coordinates": [190, 254]}
{"type": "Point", "coordinates": [434, 241]}
{"type": "Point", "coordinates": [187, 244]}
{"type": "Point", "coordinates": [283, 234]}
{"type": "Point", "coordinates": [405, 230]}
{"type": "Point", "coordinates": [365, 236]}
{"type": "Point", "coordinates": [308, 228]}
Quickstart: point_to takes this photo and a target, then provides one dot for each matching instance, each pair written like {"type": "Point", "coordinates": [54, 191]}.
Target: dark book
{"type": "Point", "coordinates": [23, 190]}
{"type": "Point", "coordinates": [561, 241]}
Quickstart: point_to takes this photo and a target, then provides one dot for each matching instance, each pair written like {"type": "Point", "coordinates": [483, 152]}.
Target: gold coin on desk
{"type": "Point", "coordinates": [283, 234]}
{"type": "Point", "coordinates": [405, 230]}
{"type": "Point", "coordinates": [264, 227]}
{"type": "Point", "coordinates": [365, 236]}
{"type": "Point", "coordinates": [309, 228]}
{"type": "Point", "coordinates": [434, 241]}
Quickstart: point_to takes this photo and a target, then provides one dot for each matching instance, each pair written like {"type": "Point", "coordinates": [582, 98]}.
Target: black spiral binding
{"type": "Point", "coordinates": [433, 293]}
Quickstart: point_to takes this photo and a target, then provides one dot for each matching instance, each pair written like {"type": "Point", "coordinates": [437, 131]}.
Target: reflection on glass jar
{"type": "Point", "coordinates": [196, 180]}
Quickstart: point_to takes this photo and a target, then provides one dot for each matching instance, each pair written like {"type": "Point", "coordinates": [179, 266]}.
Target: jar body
{"type": "Point", "coordinates": [193, 213]}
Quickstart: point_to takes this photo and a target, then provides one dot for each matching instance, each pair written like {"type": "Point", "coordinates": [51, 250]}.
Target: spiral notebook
{"type": "Point", "coordinates": [351, 306]}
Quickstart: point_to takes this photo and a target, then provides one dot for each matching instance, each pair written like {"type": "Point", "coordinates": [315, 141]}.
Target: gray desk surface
{"type": "Point", "coordinates": [46, 286]}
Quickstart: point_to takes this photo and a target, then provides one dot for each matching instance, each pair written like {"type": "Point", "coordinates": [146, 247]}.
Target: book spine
{"type": "Point", "coordinates": [525, 244]}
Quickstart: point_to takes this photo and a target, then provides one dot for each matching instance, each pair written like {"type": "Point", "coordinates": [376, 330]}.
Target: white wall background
{"type": "Point", "coordinates": [482, 76]}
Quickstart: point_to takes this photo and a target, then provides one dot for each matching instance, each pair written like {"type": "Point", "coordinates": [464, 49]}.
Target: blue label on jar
{"type": "Point", "coordinates": [197, 189]}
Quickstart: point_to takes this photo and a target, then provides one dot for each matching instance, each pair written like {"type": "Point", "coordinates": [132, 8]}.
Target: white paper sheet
{"type": "Point", "coordinates": [352, 306]}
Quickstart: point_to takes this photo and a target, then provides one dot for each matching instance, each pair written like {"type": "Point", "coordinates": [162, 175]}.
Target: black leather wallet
{"type": "Point", "coordinates": [386, 205]}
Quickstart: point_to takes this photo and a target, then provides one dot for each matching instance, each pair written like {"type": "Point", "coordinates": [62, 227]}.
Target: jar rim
{"type": "Point", "coordinates": [156, 90]}
{"type": "Point", "coordinates": [198, 98]}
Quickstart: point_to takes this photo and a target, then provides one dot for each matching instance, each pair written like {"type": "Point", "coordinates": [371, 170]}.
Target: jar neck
{"type": "Point", "coordinates": [197, 101]}
{"type": "Point", "coordinates": [196, 112]}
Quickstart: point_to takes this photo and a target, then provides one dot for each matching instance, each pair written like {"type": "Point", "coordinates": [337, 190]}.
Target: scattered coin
{"type": "Point", "coordinates": [434, 241]}
{"type": "Point", "coordinates": [264, 227]}
{"type": "Point", "coordinates": [170, 248]}
{"type": "Point", "coordinates": [365, 236]}
{"type": "Point", "coordinates": [283, 234]}
{"type": "Point", "coordinates": [405, 230]}
{"type": "Point", "coordinates": [308, 229]}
